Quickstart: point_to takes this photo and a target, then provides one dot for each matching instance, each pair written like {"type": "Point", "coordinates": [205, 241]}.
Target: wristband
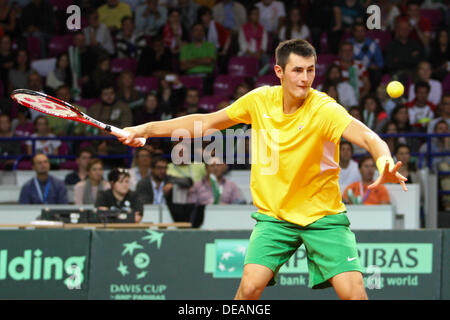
{"type": "Point", "coordinates": [381, 163]}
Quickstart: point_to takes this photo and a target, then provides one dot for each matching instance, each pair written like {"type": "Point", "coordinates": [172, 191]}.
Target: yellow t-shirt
{"type": "Point", "coordinates": [297, 182]}
{"type": "Point", "coordinates": [112, 17]}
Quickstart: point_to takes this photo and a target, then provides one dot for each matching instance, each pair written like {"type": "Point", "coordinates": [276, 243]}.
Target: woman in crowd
{"type": "Point", "coordinates": [150, 111]}
{"type": "Point", "coordinates": [18, 75]}
{"type": "Point", "coordinates": [294, 27]}
{"type": "Point", "coordinates": [373, 114]}
{"type": "Point", "coordinates": [85, 191]}
{"type": "Point", "coordinates": [61, 75]}
{"type": "Point", "coordinates": [345, 91]}
{"type": "Point", "coordinates": [440, 54]}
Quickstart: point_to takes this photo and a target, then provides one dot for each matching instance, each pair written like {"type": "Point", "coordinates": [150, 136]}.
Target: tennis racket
{"type": "Point", "coordinates": [49, 105]}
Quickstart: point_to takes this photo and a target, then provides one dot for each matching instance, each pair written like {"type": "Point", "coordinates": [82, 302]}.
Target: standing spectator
{"type": "Point", "coordinates": [272, 15]}
{"type": "Point", "coordinates": [173, 32]}
{"type": "Point", "coordinates": [231, 14]}
{"type": "Point", "coordinates": [112, 13]}
{"type": "Point", "coordinates": [444, 113]}
{"type": "Point", "coordinates": [7, 148]}
{"type": "Point", "coordinates": [129, 43]}
{"type": "Point", "coordinates": [188, 10]}
{"type": "Point", "coordinates": [424, 74]}
{"type": "Point", "coordinates": [42, 129]}
{"type": "Point", "coordinates": [8, 21]}
{"type": "Point", "coordinates": [149, 112]}
{"type": "Point", "coordinates": [86, 56]}
{"type": "Point", "coordinates": [61, 75]}
{"type": "Point", "coordinates": [353, 71]}
{"type": "Point", "coordinates": [85, 191]}
{"type": "Point", "coordinates": [18, 75]}
{"type": "Point", "coordinates": [43, 188]}
{"type": "Point", "coordinates": [126, 91]}
{"type": "Point", "coordinates": [214, 188]}
{"type": "Point", "coordinates": [421, 110]}
{"type": "Point", "coordinates": [402, 53]}
{"type": "Point", "coordinates": [440, 54]}
{"type": "Point", "coordinates": [140, 167]}
{"type": "Point", "coordinates": [120, 198]}
{"type": "Point", "coordinates": [6, 60]}
{"type": "Point", "coordinates": [98, 35]}
{"type": "Point", "coordinates": [83, 158]}
{"type": "Point", "coordinates": [421, 26]}
{"type": "Point", "coordinates": [347, 13]}
{"type": "Point", "coordinates": [198, 56]}
{"type": "Point", "coordinates": [37, 20]}
{"type": "Point", "coordinates": [156, 60]}
{"type": "Point", "coordinates": [150, 17]}
{"type": "Point", "coordinates": [368, 52]}
{"type": "Point", "coordinates": [253, 39]}
{"type": "Point", "coordinates": [349, 172]}
{"type": "Point", "coordinates": [359, 193]}
{"type": "Point", "coordinates": [345, 91]}
{"type": "Point", "coordinates": [294, 28]}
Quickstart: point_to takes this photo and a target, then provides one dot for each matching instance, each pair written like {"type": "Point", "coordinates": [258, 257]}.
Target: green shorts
{"type": "Point", "coordinates": [330, 246]}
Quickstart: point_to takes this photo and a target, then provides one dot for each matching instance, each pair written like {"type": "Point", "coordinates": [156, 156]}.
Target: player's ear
{"type": "Point", "coordinates": [278, 71]}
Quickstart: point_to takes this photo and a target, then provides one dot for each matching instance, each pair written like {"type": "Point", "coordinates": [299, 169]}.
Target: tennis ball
{"type": "Point", "coordinates": [395, 89]}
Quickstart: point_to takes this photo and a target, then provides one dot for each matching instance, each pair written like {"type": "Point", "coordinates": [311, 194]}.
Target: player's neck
{"type": "Point", "coordinates": [291, 104]}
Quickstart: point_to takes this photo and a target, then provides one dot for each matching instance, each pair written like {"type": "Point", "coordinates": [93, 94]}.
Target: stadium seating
{"type": "Point", "coordinates": [210, 102]}
{"type": "Point", "coordinates": [123, 64]}
{"type": "Point", "coordinates": [267, 80]}
{"type": "Point", "coordinates": [225, 85]}
{"type": "Point", "coordinates": [383, 38]}
{"type": "Point", "coordinates": [34, 48]}
{"type": "Point", "coordinates": [59, 44]}
{"type": "Point", "coordinates": [243, 66]}
{"type": "Point", "coordinates": [192, 82]}
{"type": "Point", "coordinates": [87, 103]}
{"type": "Point", "coordinates": [146, 84]}
{"type": "Point", "coordinates": [61, 5]}
{"type": "Point", "coordinates": [434, 15]}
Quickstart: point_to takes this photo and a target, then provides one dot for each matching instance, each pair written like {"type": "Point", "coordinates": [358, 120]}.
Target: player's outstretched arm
{"type": "Point", "coordinates": [359, 134]}
{"type": "Point", "coordinates": [197, 125]}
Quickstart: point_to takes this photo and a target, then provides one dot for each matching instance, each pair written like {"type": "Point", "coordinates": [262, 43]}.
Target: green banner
{"type": "Point", "coordinates": [44, 264]}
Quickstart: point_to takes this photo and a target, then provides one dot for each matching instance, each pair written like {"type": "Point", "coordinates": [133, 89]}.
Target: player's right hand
{"type": "Point", "coordinates": [131, 140]}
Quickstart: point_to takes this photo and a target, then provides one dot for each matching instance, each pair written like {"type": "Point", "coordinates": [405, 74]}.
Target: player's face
{"type": "Point", "coordinates": [298, 75]}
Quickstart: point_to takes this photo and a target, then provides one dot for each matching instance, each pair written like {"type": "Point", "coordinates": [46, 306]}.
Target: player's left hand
{"type": "Point", "coordinates": [390, 176]}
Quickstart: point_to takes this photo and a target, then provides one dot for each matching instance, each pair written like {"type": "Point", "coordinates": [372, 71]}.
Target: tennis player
{"type": "Point", "coordinates": [300, 202]}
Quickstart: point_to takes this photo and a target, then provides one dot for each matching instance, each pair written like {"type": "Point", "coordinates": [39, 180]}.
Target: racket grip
{"type": "Point", "coordinates": [123, 134]}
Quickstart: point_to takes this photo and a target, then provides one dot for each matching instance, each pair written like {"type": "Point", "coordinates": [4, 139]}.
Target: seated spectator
{"type": "Point", "coordinates": [400, 116]}
{"type": "Point", "coordinates": [127, 92]}
{"type": "Point", "coordinates": [156, 60]}
{"type": "Point", "coordinates": [439, 144]}
{"type": "Point", "coordinates": [373, 114]}
{"type": "Point", "coordinates": [97, 34]}
{"type": "Point", "coordinates": [421, 26]}
{"type": "Point", "coordinates": [253, 39]}
{"type": "Point", "coordinates": [402, 53]}
{"type": "Point", "coordinates": [35, 84]}
{"type": "Point", "coordinates": [368, 52]}
{"type": "Point", "coordinates": [61, 75]}
{"type": "Point", "coordinates": [424, 74]}
{"type": "Point", "coordinates": [386, 101]}
{"type": "Point", "coordinates": [18, 75]}
{"type": "Point", "coordinates": [140, 167]}
{"type": "Point", "coordinates": [359, 193]}
{"type": "Point", "coordinates": [392, 142]}
{"type": "Point", "coordinates": [119, 197]}
{"type": "Point", "coordinates": [171, 95]}
{"type": "Point", "coordinates": [215, 188]}
{"type": "Point", "coordinates": [444, 113]}
{"type": "Point", "coordinates": [353, 71]}
{"type": "Point", "coordinates": [440, 54]}
{"type": "Point", "coordinates": [48, 147]}
{"type": "Point", "coordinates": [129, 43]}
{"type": "Point", "coordinates": [115, 113]}
{"type": "Point", "coordinates": [7, 148]}
{"type": "Point", "coordinates": [294, 28]}
{"type": "Point", "coordinates": [150, 17]}
{"type": "Point", "coordinates": [349, 168]}
{"type": "Point", "coordinates": [8, 18]}
{"type": "Point", "coordinates": [149, 112]}
{"type": "Point", "coordinates": [408, 168]}
{"type": "Point", "coordinates": [6, 60]}
{"type": "Point", "coordinates": [420, 109]}
{"type": "Point", "coordinates": [85, 191]}
{"type": "Point", "coordinates": [22, 125]}
{"type": "Point", "coordinates": [100, 75]}
{"type": "Point", "coordinates": [331, 90]}
{"type": "Point", "coordinates": [198, 56]}
{"type": "Point", "coordinates": [43, 188]}
{"type": "Point", "coordinates": [112, 13]}
{"type": "Point", "coordinates": [188, 10]}
{"type": "Point", "coordinates": [173, 32]}
{"type": "Point", "coordinates": [83, 158]}
{"type": "Point", "coordinates": [191, 102]}
{"type": "Point", "coordinates": [345, 91]}
{"type": "Point", "coordinates": [231, 14]}
{"type": "Point", "coordinates": [347, 13]}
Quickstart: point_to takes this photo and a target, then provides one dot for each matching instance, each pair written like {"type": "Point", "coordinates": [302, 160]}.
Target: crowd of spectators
{"type": "Point", "coordinates": [174, 40]}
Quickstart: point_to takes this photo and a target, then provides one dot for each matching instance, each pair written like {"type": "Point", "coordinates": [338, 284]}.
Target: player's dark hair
{"type": "Point", "coordinates": [364, 159]}
{"type": "Point", "coordinates": [297, 46]}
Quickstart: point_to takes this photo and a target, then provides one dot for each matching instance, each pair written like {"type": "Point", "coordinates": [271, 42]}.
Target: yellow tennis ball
{"type": "Point", "coordinates": [395, 89]}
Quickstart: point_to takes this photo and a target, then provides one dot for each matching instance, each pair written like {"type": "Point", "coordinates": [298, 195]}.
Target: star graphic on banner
{"type": "Point", "coordinates": [130, 247]}
{"type": "Point", "coordinates": [226, 255]}
{"type": "Point", "coordinates": [123, 269]}
{"type": "Point", "coordinates": [241, 249]}
{"type": "Point", "coordinates": [154, 236]}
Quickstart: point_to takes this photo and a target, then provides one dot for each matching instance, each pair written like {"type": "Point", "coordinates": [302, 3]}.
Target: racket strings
{"type": "Point", "coordinates": [46, 106]}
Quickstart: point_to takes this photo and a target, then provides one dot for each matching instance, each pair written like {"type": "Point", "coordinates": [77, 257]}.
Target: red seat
{"type": "Point", "coordinates": [146, 84]}
{"type": "Point", "coordinates": [59, 44]}
{"type": "Point", "coordinates": [434, 15]}
{"type": "Point", "coordinates": [123, 64]}
{"type": "Point", "coordinates": [210, 102]}
{"type": "Point", "coordinates": [383, 38]}
{"type": "Point", "coordinates": [267, 80]}
{"type": "Point", "coordinates": [87, 103]}
{"type": "Point", "coordinates": [243, 66]}
{"type": "Point", "coordinates": [34, 48]}
{"type": "Point", "coordinates": [192, 82]}
{"type": "Point", "coordinates": [225, 85]}
{"type": "Point", "coordinates": [324, 60]}
{"type": "Point", "coordinates": [446, 84]}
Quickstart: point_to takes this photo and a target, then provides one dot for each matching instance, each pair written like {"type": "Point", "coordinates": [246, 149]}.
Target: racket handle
{"type": "Point", "coordinates": [123, 134]}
